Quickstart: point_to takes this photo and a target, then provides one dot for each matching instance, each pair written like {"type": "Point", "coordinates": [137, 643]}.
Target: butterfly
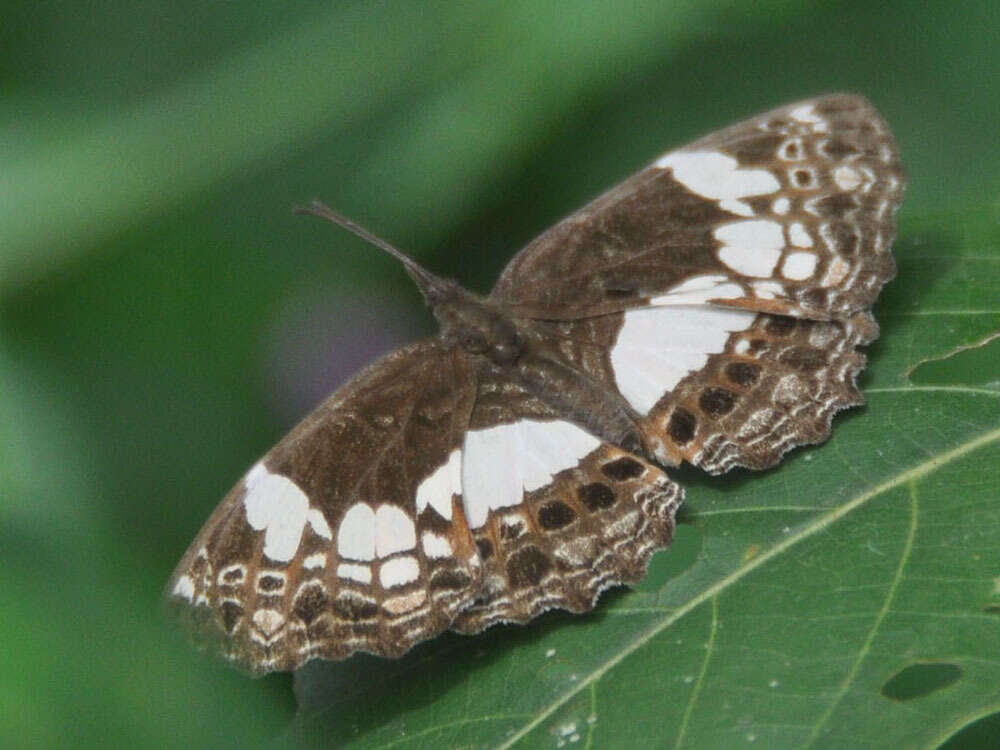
{"type": "Point", "coordinates": [708, 309]}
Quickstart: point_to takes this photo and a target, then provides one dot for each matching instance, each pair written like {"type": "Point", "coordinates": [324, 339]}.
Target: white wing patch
{"type": "Point", "coordinates": [365, 534]}
{"type": "Point", "coordinates": [437, 489]}
{"type": "Point", "coordinates": [318, 522]}
{"type": "Point", "coordinates": [656, 348]}
{"type": "Point", "coordinates": [799, 236]}
{"type": "Point", "coordinates": [316, 561]}
{"type": "Point", "coordinates": [798, 265]}
{"type": "Point", "coordinates": [698, 290]}
{"type": "Point", "coordinates": [767, 289]}
{"type": "Point", "coordinates": [847, 178]}
{"type": "Point", "coordinates": [268, 621]}
{"type": "Point", "coordinates": [184, 588]}
{"type": "Point", "coordinates": [275, 504]}
{"type": "Point", "coordinates": [718, 176]}
{"type": "Point", "coordinates": [807, 115]}
{"type": "Point", "coordinates": [501, 463]}
{"type": "Point", "coordinates": [398, 571]}
{"type": "Point", "coordinates": [751, 248]}
{"type": "Point", "coordinates": [435, 545]}
{"type": "Point", "coordinates": [356, 535]}
{"type": "Point", "coordinates": [394, 531]}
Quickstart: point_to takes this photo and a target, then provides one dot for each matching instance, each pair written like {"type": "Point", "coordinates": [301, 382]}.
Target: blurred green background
{"type": "Point", "coordinates": [164, 317]}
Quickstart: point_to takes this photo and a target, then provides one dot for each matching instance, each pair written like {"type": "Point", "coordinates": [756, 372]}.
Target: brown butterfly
{"type": "Point", "coordinates": [708, 309]}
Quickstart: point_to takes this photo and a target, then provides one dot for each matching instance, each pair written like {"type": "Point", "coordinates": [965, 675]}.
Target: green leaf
{"type": "Point", "coordinates": [846, 598]}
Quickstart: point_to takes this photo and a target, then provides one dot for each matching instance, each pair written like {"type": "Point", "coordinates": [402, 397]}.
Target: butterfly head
{"type": "Point", "coordinates": [477, 327]}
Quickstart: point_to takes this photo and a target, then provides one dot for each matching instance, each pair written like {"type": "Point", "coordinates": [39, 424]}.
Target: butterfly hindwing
{"type": "Point", "coordinates": [719, 387]}
{"type": "Point", "coordinates": [775, 385]}
{"type": "Point", "coordinates": [557, 514]}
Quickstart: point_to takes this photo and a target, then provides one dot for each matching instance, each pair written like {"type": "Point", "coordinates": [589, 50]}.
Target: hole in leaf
{"type": "Point", "coordinates": [919, 680]}
{"type": "Point", "coordinates": [982, 733]}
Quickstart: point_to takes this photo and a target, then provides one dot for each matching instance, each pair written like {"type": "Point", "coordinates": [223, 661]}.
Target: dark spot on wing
{"type": "Point", "coordinates": [269, 583]}
{"type": "Point", "coordinates": [743, 373]}
{"type": "Point", "coordinates": [803, 358]}
{"type": "Point", "coordinates": [596, 496]}
{"type": "Point", "coordinates": [623, 468]}
{"type": "Point", "coordinates": [779, 325]}
{"type": "Point", "coordinates": [509, 531]}
{"type": "Point", "coordinates": [233, 576]}
{"type": "Point", "coordinates": [555, 515]}
{"type": "Point", "coordinates": [681, 426]}
{"type": "Point", "coordinates": [815, 298]}
{"type": "Point", "coordinates": [485, 547]}
{"type": "Point", "coordinates": [527, 567]}
{"type": "Point", "coordinates": [310, 603]}
{"type": "Point", "coordinates": [717, 402]}
{"type": "Point", "coordinates": [450, 579]}
{"type": "Point", "coordinates": [837, 204]}
{"type": "Point", "coordinates": [838, 149]}
{"type": "Point", "coordinates": [231, 614]}
{"type": "Point", "coordinates": [845, 239]}
{"type": "Point", "coordinates": [352, 608]}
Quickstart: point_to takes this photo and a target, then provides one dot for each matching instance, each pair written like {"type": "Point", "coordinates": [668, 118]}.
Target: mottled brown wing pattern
{"type": "Point", "coordinates": [591, 525]}
{"type": "Point", "coordinates": [595, 526]}
{"type": "Point", "coordinates": [326, 547]}
{"type": "Point", "coordinates": [754, 388]}
{"type": "Point", "coordinates": [776, 385]}
{"type": "Point", "coordinates": [789, 212]}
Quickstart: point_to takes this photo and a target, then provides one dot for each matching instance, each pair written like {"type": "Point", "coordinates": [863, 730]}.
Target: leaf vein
{"type": "Point", "coordinates": [696, 690]}
{"type": "Point", "coordinates": [820, 524]}
{"type": "Point", "coordinates": [865, 649]}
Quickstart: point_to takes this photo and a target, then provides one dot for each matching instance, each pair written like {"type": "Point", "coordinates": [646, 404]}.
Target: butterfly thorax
{"type": "Point", "coordinates": [513, 348]}
{"type": "Point", "coordinates": [475, 325]}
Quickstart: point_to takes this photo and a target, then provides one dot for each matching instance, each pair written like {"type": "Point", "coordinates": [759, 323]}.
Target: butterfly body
{"type": "Point", "coordinates": [709, 309]}
{"type": "Point", "coordinates": [500, 345]}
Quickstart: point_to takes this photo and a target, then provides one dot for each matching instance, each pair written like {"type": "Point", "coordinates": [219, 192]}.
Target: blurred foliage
{"type": "Point", "coordinates": [161, 310]}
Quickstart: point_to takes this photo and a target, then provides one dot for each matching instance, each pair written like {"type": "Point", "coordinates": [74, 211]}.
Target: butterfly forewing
{"type": "Point", "coordinates": [789, 212]}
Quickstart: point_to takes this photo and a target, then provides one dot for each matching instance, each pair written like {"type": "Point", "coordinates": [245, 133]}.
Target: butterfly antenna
{"type": "Point", "coordinates": [424, 279]}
